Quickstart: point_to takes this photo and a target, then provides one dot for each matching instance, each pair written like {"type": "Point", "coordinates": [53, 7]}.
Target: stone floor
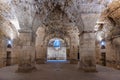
{"type": "Point", "coordinates": [59, 71]}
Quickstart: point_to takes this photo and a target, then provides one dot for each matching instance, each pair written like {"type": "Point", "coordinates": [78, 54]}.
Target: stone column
{"type": "Point", "coordinates": [2, 51]}
{"type": "Point", "coordinates": [73, 55]}
{"type": "Point", "coordinates": [42, 55]}
{"type": "Point", "coordinates": [87, 51]}
{"type": "Point", "coordinates": [27, 52]}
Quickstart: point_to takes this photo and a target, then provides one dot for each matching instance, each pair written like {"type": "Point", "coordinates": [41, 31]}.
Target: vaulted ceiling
{"type": "Point", "coordinates": [111, 18]}
{"type": "Point", "coordinates": [56, 15]}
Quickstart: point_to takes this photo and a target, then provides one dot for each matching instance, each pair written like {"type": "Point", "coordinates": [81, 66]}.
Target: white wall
{"type": "Point", "coordinates": [56, 54]}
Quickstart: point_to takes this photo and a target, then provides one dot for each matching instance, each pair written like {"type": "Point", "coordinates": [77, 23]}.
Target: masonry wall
{"type": "Point", "coordinates": [111, 53]}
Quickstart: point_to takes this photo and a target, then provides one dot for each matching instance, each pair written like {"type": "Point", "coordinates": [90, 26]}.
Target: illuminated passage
{"type": "Point", "coordinates": [56, 50]}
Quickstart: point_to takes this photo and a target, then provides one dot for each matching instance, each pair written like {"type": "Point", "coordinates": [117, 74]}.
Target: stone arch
{"type": "Point", "coordinates": [67, 40]}
{"type": "Point", "coordinates": [53, 36]}
{"type": "Point", "coordinates": [109, 18]}
{"type": "Point", "coordinates": [41, 53]}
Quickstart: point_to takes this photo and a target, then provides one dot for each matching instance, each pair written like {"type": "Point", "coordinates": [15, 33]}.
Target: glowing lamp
{"type": "Point", "coordinates": [9, 44]}
{"type": "Point", "coordinates": [103, 43]}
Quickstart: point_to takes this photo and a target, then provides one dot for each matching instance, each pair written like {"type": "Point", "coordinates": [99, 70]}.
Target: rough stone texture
{"type": "Point", "coordinates": [43, 38]}
{"type": "Point", "coordinates": [53, 54]}
{"type": "Point", "coordinates": [32, 23]}
{"type": "Point", "coordinates": [110, 19]}
{"type": "Point", "coordinates": [87, 52]}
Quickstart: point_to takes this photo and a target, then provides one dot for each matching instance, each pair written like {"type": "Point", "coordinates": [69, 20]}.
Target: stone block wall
{"type": "Point", "coordinates": [112, 57]}
{"type": "Point", "coordinates": [87, 52]}
{"type": "Point", "coordinates": [53, 54]}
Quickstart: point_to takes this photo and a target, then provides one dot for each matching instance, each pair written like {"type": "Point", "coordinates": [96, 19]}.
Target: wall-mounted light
{"type": "Point", "coordinates": [103, 43]}
{"type": "Point", "coordinates": [9, 44]}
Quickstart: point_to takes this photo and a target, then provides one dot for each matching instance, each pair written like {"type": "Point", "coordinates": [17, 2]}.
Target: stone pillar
{"type": "Point", "coordinates": [87, 52]}
{"type": "Point", "coordinates": [73, 55]}
{"type": "Point", "coordinates": [27, 52]}
{"type": "Point", "coordinates": [41, 54]}
{"type": "Point", "coordinates": [2, 51]}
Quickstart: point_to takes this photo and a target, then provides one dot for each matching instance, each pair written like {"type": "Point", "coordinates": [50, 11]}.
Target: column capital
{"type": "Point", "coordinates": [86, 32]}
{"type": "Point", "coordinates": [25, 31]}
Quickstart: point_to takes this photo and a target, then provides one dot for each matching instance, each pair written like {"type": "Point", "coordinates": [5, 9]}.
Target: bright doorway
{"type": "Point", "coordinates": [56, 50]}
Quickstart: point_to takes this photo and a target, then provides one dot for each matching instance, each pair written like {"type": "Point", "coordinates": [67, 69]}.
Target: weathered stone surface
{"type": "Point", "coordinates": [110, 19]}
{"type": "Point", "coordinates": [32, 23]}
{"type": "Point", "coordinates": [87, 52]}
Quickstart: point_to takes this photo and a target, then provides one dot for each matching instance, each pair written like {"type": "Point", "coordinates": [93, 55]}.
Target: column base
{"type": "Point", "coordinates": [90, 69]}
{"type": "Point", "coordinates": [25, 68]}
{"type": "Point", "coordinates": [86, 68]}
{"type": "Point", "coordinates": [40, 61]}
{"type": "Point", "coordinates": [73, 61]}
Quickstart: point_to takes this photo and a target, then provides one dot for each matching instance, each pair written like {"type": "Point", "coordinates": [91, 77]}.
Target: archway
{"type": "Point", "coordinates": [42, 42]}
{"type": "Point", "coordinates": [56, 50]}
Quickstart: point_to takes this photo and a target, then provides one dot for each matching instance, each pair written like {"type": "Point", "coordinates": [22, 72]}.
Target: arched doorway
{"type": "Point", "coordinates": [43, 41]}
{"type": "Point", "coordinates": [56, 50]}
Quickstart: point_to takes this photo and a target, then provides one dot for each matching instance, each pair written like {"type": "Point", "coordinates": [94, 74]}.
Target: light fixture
{"type": "Point", "coordinates": [9, 42]}
{"type": "Point", "coordinates": [103, 43]}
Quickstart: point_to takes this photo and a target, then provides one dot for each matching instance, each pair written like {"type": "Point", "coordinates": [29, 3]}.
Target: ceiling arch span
{"type": "Point", "coordinates": [57, 14]}
{"type": "Point", "coordinates": [66, 39]}
{"type": "Point", "coordinates": [57, 42]}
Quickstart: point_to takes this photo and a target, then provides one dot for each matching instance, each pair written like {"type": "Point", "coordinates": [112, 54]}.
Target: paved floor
{"type": "Point", "coordinates": [59, 71]}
